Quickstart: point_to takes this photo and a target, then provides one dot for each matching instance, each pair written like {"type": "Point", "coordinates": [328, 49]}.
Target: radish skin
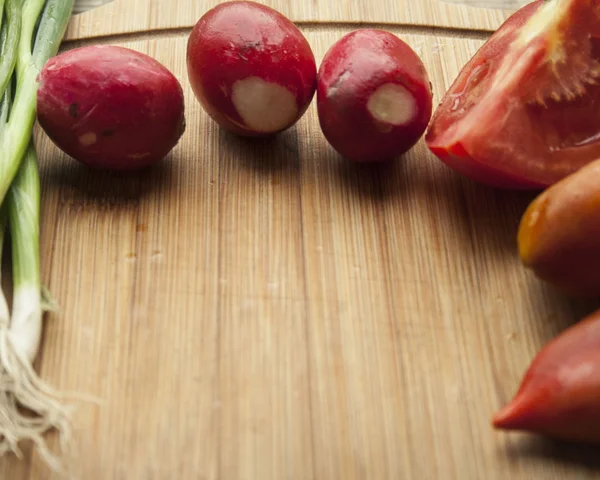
{"type": "Point", "coordinates": [250, 68]}
{"type": "Point", "coordinates": [374, 98]}
{"type": "Point", "coordinates": [110, 107]}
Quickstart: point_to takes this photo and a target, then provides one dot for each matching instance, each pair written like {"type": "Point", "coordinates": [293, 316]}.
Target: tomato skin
{"type": "Point", "coordinates": [559, 396]}
{"type": "Point", "coordinates": [457, 158]}
{"type": "Point", "coordinates": [516, 117]}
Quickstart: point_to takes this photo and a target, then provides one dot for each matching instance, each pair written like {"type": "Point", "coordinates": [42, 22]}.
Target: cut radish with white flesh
{"type": "Point", "coordinates": [392, 104]}
{"type": "Point", "coordinates": [374, 98]}
{"type": "Point", "coordinates": [250, 68]}
{"type": "Point", "coordinates": [264, 107]}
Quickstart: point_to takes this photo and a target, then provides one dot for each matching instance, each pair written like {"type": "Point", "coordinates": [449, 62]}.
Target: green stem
{"type": "Point", "coordinates": [9, 42]}
{"type": "Point", "coordinates": [53, 24]}
{"type": "Point", "coordinates": [1, 11]}
{"type": "Point", "coordinates": [5, 107]}
{"type": "Point", "coordinates": [30, 13]}
{"type": "Point", "coordinates": [4, 311]}
{"type": "Point", "coordinates": [23, 201]}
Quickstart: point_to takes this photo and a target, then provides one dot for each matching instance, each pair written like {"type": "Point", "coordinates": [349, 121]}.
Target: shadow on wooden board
{"type": "Point", "coordinates": [554, 451]}
{"type": "Point", "coordinates": [81, 186]}
{"type": "Point", "coordinates": [269, 155]}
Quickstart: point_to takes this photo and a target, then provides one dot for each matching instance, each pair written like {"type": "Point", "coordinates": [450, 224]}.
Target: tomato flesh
{"type": "Point", "coordinates": [524, 111]}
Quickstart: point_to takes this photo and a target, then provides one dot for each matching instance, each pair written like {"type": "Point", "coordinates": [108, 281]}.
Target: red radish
{"type": "Point", "coordinates": [560, 394]}
{"type": "Point", "coordinates": [251, 68]}
{"type": "Point", "coordinates": [110, 107]}
{"type": "Point", "coordinates": [374, 98]}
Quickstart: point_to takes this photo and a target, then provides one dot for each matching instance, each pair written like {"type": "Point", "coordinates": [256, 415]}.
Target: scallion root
{"type": "Point", "coordinates": [20, 390]}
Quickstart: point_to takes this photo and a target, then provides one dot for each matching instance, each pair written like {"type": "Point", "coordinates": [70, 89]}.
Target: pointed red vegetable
{"type": "Point", "coordinates": [560, 393]}
{"type": "Point", "coordinates": [558, 234]}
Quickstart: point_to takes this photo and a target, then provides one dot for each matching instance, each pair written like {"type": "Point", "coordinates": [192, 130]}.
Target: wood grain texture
{"type": "Point", "coordinates": [262, 310]}
{"type": "Point", "coordinates": [130, 16]}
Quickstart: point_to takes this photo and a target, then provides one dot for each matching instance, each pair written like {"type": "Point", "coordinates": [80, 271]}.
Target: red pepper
{"type": "Point", "coordinates": [559, 396]}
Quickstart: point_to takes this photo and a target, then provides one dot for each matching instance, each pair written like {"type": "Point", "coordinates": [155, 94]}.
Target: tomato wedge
{"type": "Point", "coordinates": [524, 112]}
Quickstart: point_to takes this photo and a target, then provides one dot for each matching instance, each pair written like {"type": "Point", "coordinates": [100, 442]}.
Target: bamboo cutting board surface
{"type": "Point", "coordinates": [262, 310]}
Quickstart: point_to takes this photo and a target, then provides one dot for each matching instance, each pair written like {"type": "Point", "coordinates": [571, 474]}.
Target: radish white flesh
{"type": "Point", "coordinates": [264, 107]}
{"type": "Point", "coordinates": [392, 104]}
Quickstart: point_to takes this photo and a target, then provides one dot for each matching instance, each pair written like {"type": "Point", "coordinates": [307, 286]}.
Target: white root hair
{"type": "Point", "coordinates": [21, 388]}
{"type": "Point", "coordinates": [28, 406]}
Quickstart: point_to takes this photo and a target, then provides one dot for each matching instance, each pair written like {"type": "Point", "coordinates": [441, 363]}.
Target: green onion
{"type": "Point", "coordinates": [14, 138]}
{"type": "Point", "coordinates": [30, 33]}
{"type": "Point", "coordinates": [4, 311]}
{"type": "Point", "coordinates": [23, 205]}
{"type": "Point", "coordinates": [9, 42]}
{"type": "Point", "coordinates": [5, 107]}
{"type": "Point", "coordinates": [19, 343]}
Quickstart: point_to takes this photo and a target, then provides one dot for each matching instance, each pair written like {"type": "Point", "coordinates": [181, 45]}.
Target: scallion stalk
{"type": "Point", "coordinates": [41, 25]}
{"type": "Point", "coordinates": [9, 42]}
{"type": "Point", "coordinates": [20, 385]}
{"type": "Point", "coordinates": [14, 138]}
{"type": "Point", "coordinates": [4, 311]}
{"type": "Point", "coordinates": [23, 205]}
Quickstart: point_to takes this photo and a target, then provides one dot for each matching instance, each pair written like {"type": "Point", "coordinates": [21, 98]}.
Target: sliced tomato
{"type": "Point", "coordinates": [524, 112]}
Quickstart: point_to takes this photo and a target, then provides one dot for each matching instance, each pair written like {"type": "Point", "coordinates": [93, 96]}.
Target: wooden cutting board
{"type": "Point", "coordinates": [263, 310]}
